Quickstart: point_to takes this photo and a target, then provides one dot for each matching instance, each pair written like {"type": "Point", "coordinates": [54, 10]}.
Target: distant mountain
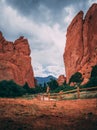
{"type": "Point", "coordinates": [42, 80]}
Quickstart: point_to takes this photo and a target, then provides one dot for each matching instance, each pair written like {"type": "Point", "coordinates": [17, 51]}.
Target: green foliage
{"type": "Point", "coordinates": [64, 82]}
{"type": "Point", "coordinates": [63, 88]}
{"type": "Point", "coordinates": [77, 78]}
{"type": "Point", "coordinates": [37, 89]}
{"type": "Point", "coordinates": [44, 85]}
{"type": "Point", "coordinates": [10, 89]}
{"type": "Point", "coordinates": [52, 84]}
{"type": "Point", "coordinates": [26, 86]}
{"type": "Point", "coordinates": [93, 78]}
{"type": "Point", "coordinates": [94, 71]}
{"type": "Point", "coordinates": [91, 83]}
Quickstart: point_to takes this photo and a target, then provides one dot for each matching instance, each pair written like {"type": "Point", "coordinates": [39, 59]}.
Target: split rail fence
{"type": "Point", "coordinates": [72, 94]}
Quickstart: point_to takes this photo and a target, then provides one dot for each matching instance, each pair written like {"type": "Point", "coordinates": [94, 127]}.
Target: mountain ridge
{"type": "Point", "coordinates": [42, 80]}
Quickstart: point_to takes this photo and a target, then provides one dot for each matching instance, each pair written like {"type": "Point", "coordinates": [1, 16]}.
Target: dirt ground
{"type": "Point", "coordinates": [22, 114]}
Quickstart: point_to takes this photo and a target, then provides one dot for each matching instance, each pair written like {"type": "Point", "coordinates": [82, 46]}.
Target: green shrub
{"type": "Point", "coordinates": [91, 83]}
{"type": "Point", "coordinates": [10, 89]}
{"type": "Point", "coordinates": [53, 84]}
{"type": "Point", "coordinates": [36, 90]}
{"type": "Point", "coordinates": [63, 88]}
{"type": "Point", "coordinates": [93, 78]}
{"type": "Point", "coordinates": [94, 71]}
{"type": "Point", "coordinates": [77, 78]}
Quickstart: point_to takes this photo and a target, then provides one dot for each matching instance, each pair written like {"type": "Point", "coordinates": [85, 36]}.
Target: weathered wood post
{"type": "Point", "coordinates": [48, 89]}
{"type": "Point", "coordinates": [78, 92]}
{"type": "Point", "coordinates": [43, 97]}
{"type": "Point", "coordinates": [60, 95]}
{"type": "Point", "coordinates": [48, 96]}
{"type": "Point", "coordinates": [48, 92]}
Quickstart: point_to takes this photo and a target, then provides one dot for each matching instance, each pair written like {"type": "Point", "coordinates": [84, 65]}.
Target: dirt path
{"type": "Point", "coordinates": [20, 114]}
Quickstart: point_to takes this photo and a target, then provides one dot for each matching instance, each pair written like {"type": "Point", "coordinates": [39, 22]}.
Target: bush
{"type": "Point", "coordinates": [93, 78]}
{"type": "Point", "coordinates": [91, 83]}
{"type": "Point", "coordinates": [63, 88]}
{"type": "Point", "coordinates": [77, 78]}
{"type": "Point", "coordinates": [53, 84]}
{"type": "Point", "coordinates": [36, 90]}
{"type": "Point", "coordinates": [10, 89]}
{"type": "Point", "coordinates": [94, 71]}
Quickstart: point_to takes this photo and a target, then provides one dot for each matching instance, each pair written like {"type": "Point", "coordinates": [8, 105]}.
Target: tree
{"type": "Point", "coordinates": [26, 86]}
{"type": "Point", "coordinates": [94, 71]}
{"type": "Point", "coordinates": [93, 78]}
{"type": "Point", "coordinates": [76, 78]}
{"type": "Point", "coordinates": [52, 84]}
{"type": "Point", "coordinates": [11, 89]}
{"type": "Point", "coordinates": [44, 85]}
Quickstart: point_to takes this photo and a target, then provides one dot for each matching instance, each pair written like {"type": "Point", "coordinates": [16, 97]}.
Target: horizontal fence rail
{"type": "Point", "coordinates": [77, 93]}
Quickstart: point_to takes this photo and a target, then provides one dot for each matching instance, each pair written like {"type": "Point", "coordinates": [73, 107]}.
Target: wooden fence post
{"type": "Point", "coordinates": [43, 97]}
{"type": "Point", "coordinates": [78, 92]}
{"type": "Point", "coordinates": [48, 96]}
{"type": "Point", "coordinates": [60, 95]}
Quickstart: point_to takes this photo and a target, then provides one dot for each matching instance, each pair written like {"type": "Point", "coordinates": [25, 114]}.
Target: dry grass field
{"type": "Point", "coordinates": [23, 114]}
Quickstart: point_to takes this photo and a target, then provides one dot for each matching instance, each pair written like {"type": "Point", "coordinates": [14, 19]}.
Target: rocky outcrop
{"type": "Point", "coordinates": [81, 45]}
{"type": "Point", "coordinates": [15, 61]}
{"type": "Point", "coordinates": [61, 79]}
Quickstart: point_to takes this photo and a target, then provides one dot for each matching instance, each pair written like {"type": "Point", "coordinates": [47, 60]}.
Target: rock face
{"type": "Point", "coordinates": [61, 79]}
{"type": "Point", "coordinates": [81, 46]}
{"type": "Point", "coordinates": [15, 61]}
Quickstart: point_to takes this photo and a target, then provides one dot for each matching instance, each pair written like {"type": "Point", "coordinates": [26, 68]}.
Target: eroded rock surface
{"type": "Point", "coordinates": [61, 80]}
{"type": "Point", "coordinates": [81, 45]}
{"type": "Point", "coordinates": [15, 61]}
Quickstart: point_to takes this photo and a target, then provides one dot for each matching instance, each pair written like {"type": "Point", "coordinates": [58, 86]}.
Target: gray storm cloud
{"type": "Point", "coordinates": [44, 24]}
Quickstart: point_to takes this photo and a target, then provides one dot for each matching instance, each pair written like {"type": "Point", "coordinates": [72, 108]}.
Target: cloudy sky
{"type": "Point", "coordinates": [44, 24]}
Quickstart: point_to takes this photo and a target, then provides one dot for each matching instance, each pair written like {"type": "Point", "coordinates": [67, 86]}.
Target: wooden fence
{"type": "Point", "coordinates": [67, 94]}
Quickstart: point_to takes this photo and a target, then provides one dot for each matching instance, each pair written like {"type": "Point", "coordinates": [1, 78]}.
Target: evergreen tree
{"type": "Point", "coordinates": [52, 84]}
{"type": "Point", "coordinates": [76, 78]}
{"type": "Point", "coordinates": [94, 71]}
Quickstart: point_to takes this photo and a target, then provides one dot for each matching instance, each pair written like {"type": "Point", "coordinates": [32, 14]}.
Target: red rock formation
{"type": "Point", "coordinates": [81, 45]}
{"type": "Point", "coordinates": [15, 61]}
{"type": "Point", "coordinates": [61, 79]}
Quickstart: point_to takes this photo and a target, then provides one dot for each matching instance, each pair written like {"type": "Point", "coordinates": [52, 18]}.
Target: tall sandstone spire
{"type": "Point", "coordinates": [81, 46]}
{"type": "Point", "coordinates": [15, 61]}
